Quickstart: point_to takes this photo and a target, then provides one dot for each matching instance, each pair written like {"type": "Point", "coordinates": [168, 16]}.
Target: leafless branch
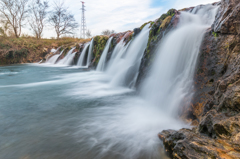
{"type": "Point", "coordinates": [14, 13]}
{"type": "Point", "coordinates": [62, 20]}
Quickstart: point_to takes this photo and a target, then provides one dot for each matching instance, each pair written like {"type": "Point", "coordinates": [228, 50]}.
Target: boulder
{"type": "Point", "coordinates": [188, 144]}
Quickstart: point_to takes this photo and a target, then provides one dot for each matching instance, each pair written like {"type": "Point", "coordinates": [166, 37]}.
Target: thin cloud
{"type": "Point", "coordinates": [120, 15]}
{"type": "Point", "coordinates": [180, 4]}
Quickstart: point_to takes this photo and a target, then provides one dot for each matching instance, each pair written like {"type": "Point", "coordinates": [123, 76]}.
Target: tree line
{"type": "Point", "coordinates": [16, 14]}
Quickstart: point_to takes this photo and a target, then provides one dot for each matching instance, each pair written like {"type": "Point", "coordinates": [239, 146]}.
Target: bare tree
{"type": "Point", "coordinates": [88, 34]}
{"type": "Point", "coordinates": [5, 29]}
{"type": "Point", "coordinates": [107, 32]}
{"type": "Point", "coordinates": [2, 32]}
{"type": "Point", "coordinates": [14, 13]}
{"type": "Point", "coordinates": [37, 20]}
{"type": "Point", "coordinates": [62, 20]}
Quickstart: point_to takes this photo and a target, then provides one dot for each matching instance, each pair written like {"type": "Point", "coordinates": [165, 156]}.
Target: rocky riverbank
{"type": "Point", "coordinates": [215, 108]}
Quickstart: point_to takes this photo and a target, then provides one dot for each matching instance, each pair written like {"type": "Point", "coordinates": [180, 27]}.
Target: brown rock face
{"type": "Point", "coordinates": [189, 144]}
{"type": "Point", "coordinates": [228, 17]}
{"type": "Point", "coordinates": [215, 108]}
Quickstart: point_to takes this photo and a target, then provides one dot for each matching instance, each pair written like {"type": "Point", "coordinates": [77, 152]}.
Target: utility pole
{"type": "Point", "coordinates": [83, 22]}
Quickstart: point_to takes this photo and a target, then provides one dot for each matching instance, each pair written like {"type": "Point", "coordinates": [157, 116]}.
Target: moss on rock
{"type": "Point", "coordinates": [99, 45]}
{"type": "Point", "coordinates": [145, 24]}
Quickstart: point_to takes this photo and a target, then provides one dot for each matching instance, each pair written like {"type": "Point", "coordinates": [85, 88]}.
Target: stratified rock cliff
{"type": "Point", "coordinates": [215, 108]}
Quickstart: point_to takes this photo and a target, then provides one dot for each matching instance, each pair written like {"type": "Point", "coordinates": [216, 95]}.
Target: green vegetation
{"type": "Point", "coordinates": [171, 12]}
{"type": "Point", "coordinates": [162, 22]}
{"type": "Point", "coordinates": [215, 34]}
{"type": "Point", "coordinates": [165, 22]}
{"type": "Point", "coordinates": [156, 28]}
{"type": "Point", "coordinates": [145, 24]}
{"type": "Point", "coordinates": [99, 45]}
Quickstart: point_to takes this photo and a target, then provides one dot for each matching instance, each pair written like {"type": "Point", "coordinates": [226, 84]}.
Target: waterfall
{"type": "Point", "coordinates": [83, 55]}
{"type": "Point", "coordinates": [114, 121]}
{"type": "Point", "coordinates": [118, 50]}
{"type": "Point", "coordinates": [68, 59]}
{"type": "Point", "coordinates": [124, 66]}
{"type": "Point", "coordinates": [89, 58]}
{"type": "Point", "coordinates": [54, 58]}
{"type": "Point", "coordinates": [102, 61]}
{"type": "Point", "coordinates": [170, 81]}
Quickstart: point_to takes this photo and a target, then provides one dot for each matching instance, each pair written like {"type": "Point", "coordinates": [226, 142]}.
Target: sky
{"type": "Point", "coordinates": [120, 15]}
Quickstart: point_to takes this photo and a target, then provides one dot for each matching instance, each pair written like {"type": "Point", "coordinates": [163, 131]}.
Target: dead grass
{"type": "Point", "coordinates": [166, 21]}
{"type": "Point", "coordinates": [34, 49]}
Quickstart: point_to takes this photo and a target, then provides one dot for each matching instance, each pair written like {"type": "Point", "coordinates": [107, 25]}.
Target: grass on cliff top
{"type": "Point", "coordinates": [29, 49]}
{"type": "Point", "coordinates": [30, 43]}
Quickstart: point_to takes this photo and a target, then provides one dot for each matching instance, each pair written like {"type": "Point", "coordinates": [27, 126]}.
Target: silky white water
{"type": "Point", "coordinates": [54, 58]}
{"type": "Point", "coordinates": [90, 115]}
{"type": "Point", "coordinates": [125, 65]}
{"type": "Point", "coordinates": [68, 59]}
{"type": "Point", "coordinates": [118, 51]}
{"type": "Point", "coordinates": [83, 55]}
{"type": "Point", "coordinates": [102, 61]}
{"type": "Point", "coordinates": [90, 51]}
{"type": "Point", "coordinates": [170, 81]}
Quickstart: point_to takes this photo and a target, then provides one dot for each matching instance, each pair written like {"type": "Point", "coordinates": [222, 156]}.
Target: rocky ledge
{"type": "Point", "coordinates": [189, 144]}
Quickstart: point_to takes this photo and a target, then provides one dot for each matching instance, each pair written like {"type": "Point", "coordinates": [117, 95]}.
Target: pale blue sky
{"type": "Point", "coordinates": [122, 15]}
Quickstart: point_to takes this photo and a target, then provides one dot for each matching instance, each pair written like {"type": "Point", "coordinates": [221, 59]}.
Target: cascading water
{"type": "Point", "coordinates": [77, 114]}
{"type": "Point", "coordinates": [68, 59]}
{"type": "Point", "coordinates": [54, 58]}
{"type": "Point", "coordinates": [90, 52]}
{"type": "Point", "coordinates": [118, 51]}
{"type": "Point", "coordinates": [170, 82]}
{"type": "Point", "coordinates": [102, 61]}
{"type": "Point", "coordinates": [129, 130]}
{"type": "Point", "coordinates": [83, 55]}
{"type": "Point", "coordinates": [128, 59]}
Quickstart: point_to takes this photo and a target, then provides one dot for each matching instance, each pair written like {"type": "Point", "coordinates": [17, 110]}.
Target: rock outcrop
{"type": "Point", "coordinates": [125, 36]}
{"type": "Point", "coordinates": [190, 144]}
{"type": "Point", "coordinates": [215, 108]}
{"type": "Point", "coordinates": [159, 28]}
{"type": "Point", "coordinates": [98, 47]}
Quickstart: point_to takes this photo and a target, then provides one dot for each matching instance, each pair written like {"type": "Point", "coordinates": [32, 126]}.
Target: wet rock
{"type": "Point", "coordinates": [228, 17]}
{"type": "Point", "coordinates": [187, 144]}
{"type": "Point", "coordinates": [79, 48]}
{"type": "Point", "coordinates": [136, 31]}
{"type": "Point", "coordinates": [126, 36]}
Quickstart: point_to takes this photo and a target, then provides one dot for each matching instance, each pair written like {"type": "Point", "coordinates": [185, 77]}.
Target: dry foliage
{"type": "Point", "coordinates": [30, 49]}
